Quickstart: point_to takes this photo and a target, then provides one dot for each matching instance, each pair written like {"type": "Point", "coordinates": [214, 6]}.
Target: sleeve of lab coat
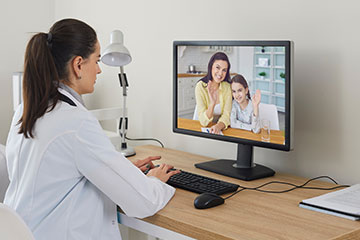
{"type": "Point", "coordinates": [137, 194]}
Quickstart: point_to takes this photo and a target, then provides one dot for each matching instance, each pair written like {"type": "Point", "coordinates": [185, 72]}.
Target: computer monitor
{"type": "Point", "coordinates": [241, 87]}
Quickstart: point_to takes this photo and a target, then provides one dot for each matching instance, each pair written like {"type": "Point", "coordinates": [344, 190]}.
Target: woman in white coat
{"type": "Point", "coordinates": [66, 178]}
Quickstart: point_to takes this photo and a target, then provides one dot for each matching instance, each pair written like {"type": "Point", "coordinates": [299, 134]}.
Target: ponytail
{"type": "Point", "coordinates": [47, 59]}
{"type": "Point", "coordinates": [40, 82]}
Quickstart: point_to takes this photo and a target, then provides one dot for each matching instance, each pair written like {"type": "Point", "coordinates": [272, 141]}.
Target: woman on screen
{"type": "Point", "coordinates": [213, 94]}
{"type": "Point", "coordinates": [245, 110]}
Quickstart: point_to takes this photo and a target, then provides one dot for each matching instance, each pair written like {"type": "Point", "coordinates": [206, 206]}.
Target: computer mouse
{"type": "Point", "coordinates": [208, 200]}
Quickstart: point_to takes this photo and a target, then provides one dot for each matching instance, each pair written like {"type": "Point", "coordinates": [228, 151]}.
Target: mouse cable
{"type": "Point", "coordinates": [294, 186]}
{"type": "Point", "coordinates": [145, 139]}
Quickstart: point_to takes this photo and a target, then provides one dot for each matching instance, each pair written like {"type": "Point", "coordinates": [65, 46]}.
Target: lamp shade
{"type": "Point", "coordinates": [116, 54]}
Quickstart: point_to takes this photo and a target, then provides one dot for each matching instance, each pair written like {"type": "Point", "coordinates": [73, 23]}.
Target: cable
{"type": "Point", "coordinates": [294, 186]}
{"type": "Point", "coordinates": [145, 139]}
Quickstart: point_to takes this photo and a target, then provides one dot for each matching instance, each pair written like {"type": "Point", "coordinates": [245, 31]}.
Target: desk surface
{"type": "Point", "coordinates": [248, 214]}
{"type": "Point", "coordinates": [276, 136]}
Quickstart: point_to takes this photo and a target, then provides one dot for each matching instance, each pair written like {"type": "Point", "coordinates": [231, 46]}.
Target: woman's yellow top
{"type": "Point", "coordinates": [203, 101]}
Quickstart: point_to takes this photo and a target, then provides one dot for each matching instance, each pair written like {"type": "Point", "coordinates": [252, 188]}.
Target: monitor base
{"type": "Point", "coordinates": [225, 167]}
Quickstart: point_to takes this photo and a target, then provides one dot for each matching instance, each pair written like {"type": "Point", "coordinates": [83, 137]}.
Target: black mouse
{"type": "Point", "coordinates": [208, 200]}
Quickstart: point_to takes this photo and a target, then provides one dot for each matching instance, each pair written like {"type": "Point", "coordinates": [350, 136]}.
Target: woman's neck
{"type": "Point", "coordinates": [215, 85]}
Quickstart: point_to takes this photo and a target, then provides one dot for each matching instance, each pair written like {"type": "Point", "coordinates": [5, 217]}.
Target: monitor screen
{"type": "Point", "coordinates": [236, 91]}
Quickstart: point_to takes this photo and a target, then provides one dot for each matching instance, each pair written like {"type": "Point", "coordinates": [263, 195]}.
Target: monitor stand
{"type": "Point", "coordinates": [243, 168]}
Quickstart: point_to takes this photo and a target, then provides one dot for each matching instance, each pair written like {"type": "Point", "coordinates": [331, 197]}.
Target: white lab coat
{"type": "Point", "coordinates": [65, 183]}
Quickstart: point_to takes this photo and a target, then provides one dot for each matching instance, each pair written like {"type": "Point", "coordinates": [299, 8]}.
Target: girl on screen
{"type": "Point", "coordinates": [213, 94]}
{"type": "Point", "coordinates": [245, 110]}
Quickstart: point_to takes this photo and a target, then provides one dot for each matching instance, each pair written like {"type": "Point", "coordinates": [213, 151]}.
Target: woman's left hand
{"type": "Point", "coordinates": [146, 163]}
{"type": "Point", "coordinates": [216, 129]}
{"type": "Point", "coordinates": [213, 93]}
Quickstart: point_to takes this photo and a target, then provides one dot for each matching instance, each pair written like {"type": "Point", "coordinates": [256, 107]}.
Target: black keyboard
{"type": "Point", "coordinates": [201, 184]}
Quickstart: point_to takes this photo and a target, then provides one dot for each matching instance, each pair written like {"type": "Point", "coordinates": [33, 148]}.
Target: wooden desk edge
{"type": "Point", "coordinates": [349, 236]}
{"type": "Point", "coordinates": [181, 228]}
{"type": "Point", "coordinates": [190, 230]}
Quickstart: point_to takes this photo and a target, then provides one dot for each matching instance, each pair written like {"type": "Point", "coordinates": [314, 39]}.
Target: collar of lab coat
{"type": "Point", "coordinates": [72, 92]}
{"type": "Point", "coordinates": [66, 93]}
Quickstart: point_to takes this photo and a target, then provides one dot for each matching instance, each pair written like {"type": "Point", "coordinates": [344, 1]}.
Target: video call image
{"type": "Point", "coordinates": [236, 91]}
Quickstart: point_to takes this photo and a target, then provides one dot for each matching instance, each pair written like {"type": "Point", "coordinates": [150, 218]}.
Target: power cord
{"type": "Point", "coordinates": [145, 139]}
{"type": "Point", "coordinates": [294, 186]}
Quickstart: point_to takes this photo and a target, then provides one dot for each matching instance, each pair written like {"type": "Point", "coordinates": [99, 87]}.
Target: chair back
{"type": "Point", "coordinates": [195, 117]}
{"type": "Point", "coordinates": [12, 226]}
{"type": "Point", "coordinates": [269, 111]}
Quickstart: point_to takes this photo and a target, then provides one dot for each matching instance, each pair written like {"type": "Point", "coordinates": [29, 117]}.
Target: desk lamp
{"type": "Point", "coordinates": [117, 55]}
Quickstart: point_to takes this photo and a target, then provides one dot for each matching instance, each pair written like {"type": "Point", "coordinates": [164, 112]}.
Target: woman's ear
{"type": "Point", "coordinates": [76, 66]}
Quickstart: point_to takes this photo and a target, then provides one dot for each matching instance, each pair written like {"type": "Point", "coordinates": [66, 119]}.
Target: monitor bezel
{"type": "Point", "coordinates": [288, 93]}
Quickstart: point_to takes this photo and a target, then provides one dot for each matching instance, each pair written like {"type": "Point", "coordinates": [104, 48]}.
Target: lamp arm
{"type": "Point", "coordinates": [123, 120]}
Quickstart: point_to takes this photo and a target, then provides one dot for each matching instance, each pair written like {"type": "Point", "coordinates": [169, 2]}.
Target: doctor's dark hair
{"type": "Point", "coordinates": [217, 56]}
{"type": "Point", "coordinates": [240, 79]}
{"type": "Point", "coordinates": [47, 58]}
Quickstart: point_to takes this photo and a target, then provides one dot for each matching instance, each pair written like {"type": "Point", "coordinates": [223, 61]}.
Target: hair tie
{"type": "Point", "coordinates": [49, 39]}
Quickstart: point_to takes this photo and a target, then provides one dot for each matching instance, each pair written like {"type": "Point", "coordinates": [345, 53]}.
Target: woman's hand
{"type": "Point", "coordinates": [146, 163]}
{"type": "Point", "coordinates": [162, 172]}
{"type": "Point", "coordinates": [217, 128]}
{"type": "Point", "coordinates": [256, 101]}
{"type": "Point", "coordinates": [213, 93]}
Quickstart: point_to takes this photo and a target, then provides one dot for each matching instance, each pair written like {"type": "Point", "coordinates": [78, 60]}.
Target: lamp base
{"type": "Point", "coordinates": [127, 151]}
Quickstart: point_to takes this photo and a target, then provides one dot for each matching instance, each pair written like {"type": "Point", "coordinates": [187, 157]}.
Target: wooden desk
{"type": "Point", "coordinates": [276, 136]}
{"type": "Point", "coordinates": [249, 214]}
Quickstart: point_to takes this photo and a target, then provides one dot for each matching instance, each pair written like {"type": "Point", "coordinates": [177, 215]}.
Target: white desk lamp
{"type": "Point", "coordinates": [117, 55]}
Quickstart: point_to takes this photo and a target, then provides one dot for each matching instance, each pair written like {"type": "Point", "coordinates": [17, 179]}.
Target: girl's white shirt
{"type": "Point", "coordinates": [244, 119]}
{"type": "Point", "coordinates": [66, 182]}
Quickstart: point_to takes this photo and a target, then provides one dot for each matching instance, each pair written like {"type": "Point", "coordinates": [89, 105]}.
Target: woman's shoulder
{"type": "Point", "coordinates": [225, 84]}
{"type": "Point", "coordinates": [69, 115]}
{"type": "Point", "coordinates": [200, 86]}
{"type": "Point", "coordinates": [225, 87]}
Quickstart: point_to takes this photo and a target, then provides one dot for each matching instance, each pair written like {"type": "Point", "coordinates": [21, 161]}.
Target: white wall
{"type": "Point", "coordinates": [18, 21]}
{"type": "Point", "coordinates": [326, 60]}
{"type": "Point", "coordinates": [326, 85]}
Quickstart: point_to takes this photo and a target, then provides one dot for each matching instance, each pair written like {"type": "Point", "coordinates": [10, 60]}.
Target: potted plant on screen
{"type": "Point", "coordinates": [282, 75]}
{"type": "Point", "coordinates": [262, 75]}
